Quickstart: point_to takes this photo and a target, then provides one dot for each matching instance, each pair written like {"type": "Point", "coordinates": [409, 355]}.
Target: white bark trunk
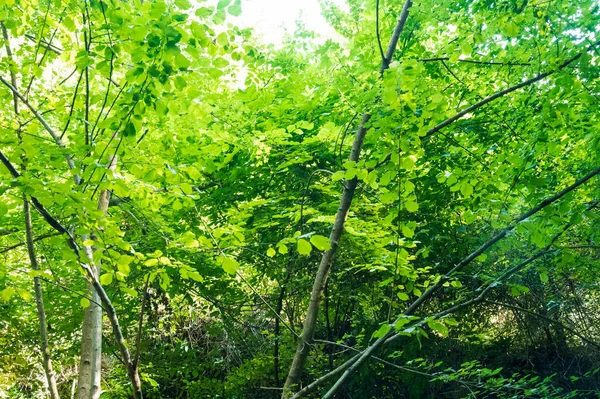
{"type": "Point", "coordinates": [88, 386]}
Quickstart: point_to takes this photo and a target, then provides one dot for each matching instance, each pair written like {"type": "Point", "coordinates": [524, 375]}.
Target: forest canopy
{"type": "Point", "coordinates": [410, 209]}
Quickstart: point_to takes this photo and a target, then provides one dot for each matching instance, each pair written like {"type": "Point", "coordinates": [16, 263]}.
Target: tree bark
{"type": "Point", "coordinates": [29, 240]}
{"type": "Point", "coordinates": [39, 300]}
{"type": "Point", "coordinates": [312, 313]}
{"type": "Point", "coordinates": [88, 382]}
{"type": "Point", "coordinates": [310, 322]}
{"type": "Point", "coordinates": [277, 332]}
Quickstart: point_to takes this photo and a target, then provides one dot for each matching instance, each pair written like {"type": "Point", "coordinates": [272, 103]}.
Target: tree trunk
{"type": "Point", "coordinates": [39, 300]}
{"type": "Point", "coordinates": [88, 385]}
{"type": "Point", "coordinates": [276, 332]}
{"type": "Point", "coordinates": [88, 382]}
{"type": "Point", "coordinates": [310, 322]}
{"type": "Point", "coordinates": [312, 313]}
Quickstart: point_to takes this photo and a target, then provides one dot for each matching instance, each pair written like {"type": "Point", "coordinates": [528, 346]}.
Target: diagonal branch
{"type": "Point", "coordinates": [108, 306]}
{"type": "Point", "coordinates": [309, 327]}
{"type": "Point", "coordinates": [424, 60]}
{"type": "Point", "coordinates": [44, 123]}
{"type": "Point", "coordinates": [38, 238]}
{"type": "Point", "coordinates": [502, 93]}
{"type": "Point", "coordinates": [548, 319]}
{"type": "Point", "coordinates": [52, 221]}
{"type": "Point", "coordinates": [352, 364]}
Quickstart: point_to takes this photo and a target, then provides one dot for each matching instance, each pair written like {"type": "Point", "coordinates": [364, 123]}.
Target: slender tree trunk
{"type": "Point", "coordinates": [312, 313]}
{"type": "Point", "coordinates": [276, 332]}
{"type": "Point", "coordinates": [39, 297]}
{"type": "Point", "coordinates": [90, 366]}
{"type": "Point", "coordinates": [39, 300]}
{"type": "Point", "coordinates": [310, 323]}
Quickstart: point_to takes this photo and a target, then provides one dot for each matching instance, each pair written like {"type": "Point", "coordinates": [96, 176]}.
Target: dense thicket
{"type": "Point", "coordinates": [168, 186]}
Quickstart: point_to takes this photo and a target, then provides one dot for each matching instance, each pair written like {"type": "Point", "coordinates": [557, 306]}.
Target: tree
{"type": "Point", "coordinates": [166, 172]}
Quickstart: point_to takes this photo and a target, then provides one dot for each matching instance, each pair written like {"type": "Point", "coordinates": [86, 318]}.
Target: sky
{"type": "Point", "coordinates": [271, 18]}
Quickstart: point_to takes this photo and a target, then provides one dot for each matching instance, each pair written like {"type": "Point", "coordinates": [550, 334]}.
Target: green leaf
{"type": "Point", "coordinates": [236, 8]}
{"type": "Point", "coordinates": [25, 295]}
{"type": "Point", "coordinates": [181, 61]}
{"type": "Point", "coordinates": [282, 249]}
{"type": "Point", "coordinates": [128, 291]}
{"type": "Point", "coordinates": [466, 189]}
{"type": "Point", "coordinates": [180, 83]}
{"type": "Point", "coordinates": [183, 4]}
{"type": "Point", "coordinates": [303, 247]}
{"type": "Point", "coordinates": [203, 12]}
{"type": "Point", "coordinates": [84, 302]}
{"type": "Point", "coordinates": [151, 262]}
{"type": "Point", "coordinates": [129, 130]}
{"type": "Point", "coordinates": [437, 98]}
{"type": "Point", "coordinates": [320, 242]}
{"type": "Point", "coordinates": [510, 29]}
{"type": "Point", "coordinates": [222, 4]}
{"type": "Point", "coordinates": [220, 62]}
{"type": "Point", "coordinates": [544, 277]}
{"type": "Point", "coordinates": [339, 175]}
{"type": "Point", "coordinates": [402, 296]}
{"type": "Point", "coordinates": [411, 206]}
{"type": "Point", "coordinates": [229, 264]}
{"type": "Point", "coordinates": [466, 49]}
{"type": "Point", "coordinates": [408, 232]}
{"type": "Point", "coordinates": [407, 163]}
{"type": "Point", "coordinates": [438, 326]}
{"type": "Point", "coordinates": [451, 322]}
{"type": "Point", "coordinates": [382, 331]}
{"type": "Point", "coordinates": [106, 279]}
{"type": "Point", "coordinates": [194, 275]}
{"type": "Point", "coordinates": [271, 252]}
{"type": "Point", "coordinates": [7, 293]}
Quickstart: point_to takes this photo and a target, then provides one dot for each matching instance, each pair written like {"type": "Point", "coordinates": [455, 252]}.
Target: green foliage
{"type": "Point", "coordinates": [231, 157]}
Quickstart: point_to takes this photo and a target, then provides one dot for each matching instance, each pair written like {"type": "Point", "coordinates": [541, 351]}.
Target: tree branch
{"type": "Point", "coordinates": [38, 238]}
{"type": "Point", "coordinates": [424, 60]}
{"type": "Point", "coordinates": [501, 93]}
{"type": "Point", "coordinates": [549, 320]}
{"type": "Point", "coordinates": [44, 123]}
{"type": "Point", "coordinates": [351, 365]}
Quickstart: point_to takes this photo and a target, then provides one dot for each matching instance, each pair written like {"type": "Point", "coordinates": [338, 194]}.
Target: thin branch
{"type": "Point", "coordinates": [44, 123]}
{"type": "Point", "coordinates": [361, 358]}
{"type": "Point", "coordinates": [453, 74]}
{"type": "Point", "coordinates": [385, 64]}
{"type": "Point", "coordinates": [13, 77]}
{"type": "Point", "coordinates": [138, 338]}
{"type": "Point", "coordinates": [38, 238]}
{"type": "Point", "coordinates": [377, 31]}
{"type": "Point", "coordinates": [499, 94]}
{"type": "Point", "coordinates": [44, 44]}
{"type": "Point", "coordinates": [72, 106]}
{"type": "Point", "coordinates": [424, 60]}
{"type": "Point", "coordinates": [51, 220]}
{"type": "Point", "coordinates": [572, 331]}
